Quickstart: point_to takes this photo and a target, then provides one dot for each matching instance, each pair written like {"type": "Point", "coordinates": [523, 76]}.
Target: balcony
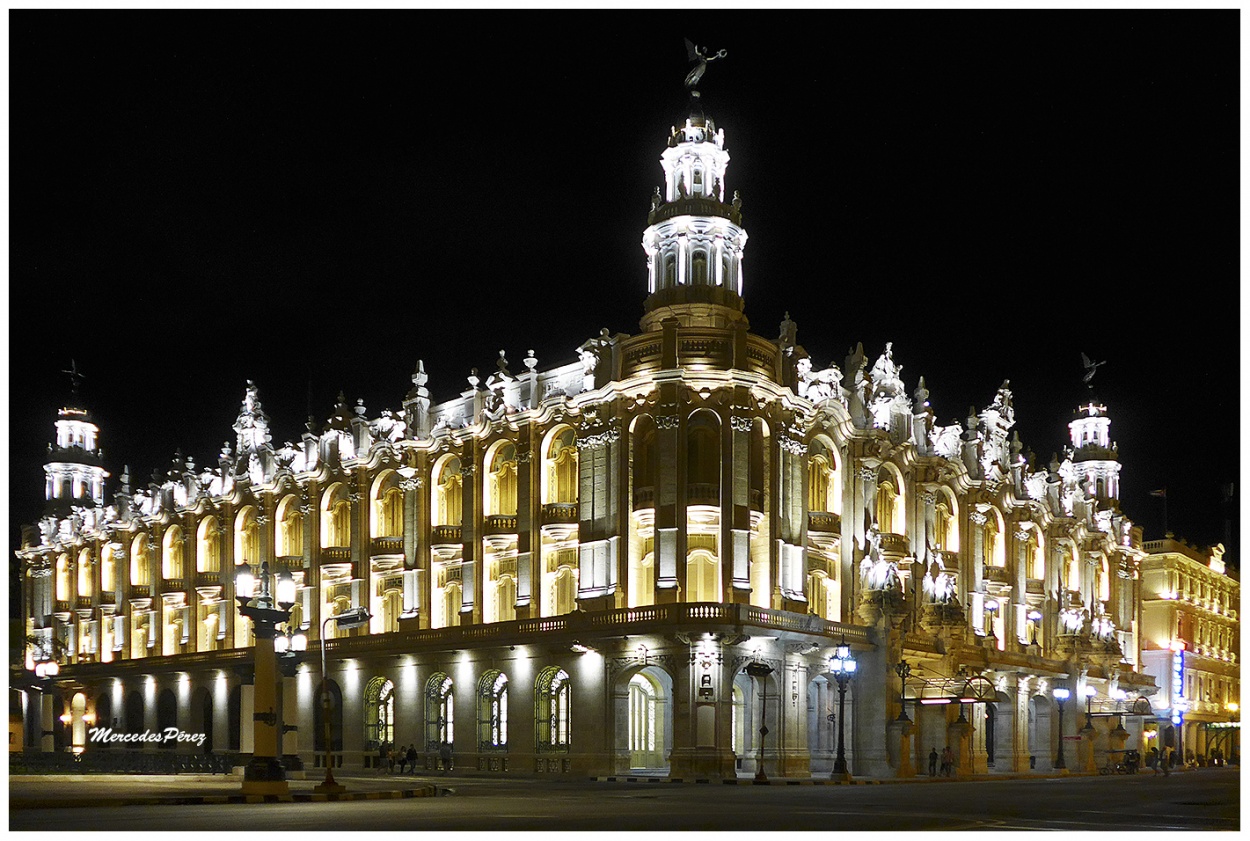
{"type": "Point", "coordinates": [644, 498]}
{"type": "Point", "coordinates": [998, 575]}
{"type": "Point", "coordinates": [174, 585]}
{"type": "Point", "coordinates": [1035, 586]}
{"type": "Point", "coordinates": [823, 521]}
{"type": "Point", "coordinates": [61, 606]}
{"type": "Point", "coordinates": [108, 597]}
{"type": "Point", "coordinates": [702, 493]}
{"type": "Point", "coordinates": [893, 546]}
{"type": "Point", "coordinates": [83, 603]}
{"type": "Point", "coordinates": [208, 579]}
{"type": "Point", "coordinates": [292, 562]}
{"type": "Point", "coordinates": [499, 524]}
{"type": "Point", "coordinates": [387, 545]}
{"type": "Point", "coordinates": [554, 513]}
{"type": "Point", "coordinates": [140, 591]}
{"type": "Point", "coordinates": [336, 554]}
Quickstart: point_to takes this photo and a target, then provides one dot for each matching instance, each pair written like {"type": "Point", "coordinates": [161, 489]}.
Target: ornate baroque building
{"type": "Point", "coordinates": [569, 570]}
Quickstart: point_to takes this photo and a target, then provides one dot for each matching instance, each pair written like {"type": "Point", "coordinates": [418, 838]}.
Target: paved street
{"type": "Point", "coordinates": [1204, 799]}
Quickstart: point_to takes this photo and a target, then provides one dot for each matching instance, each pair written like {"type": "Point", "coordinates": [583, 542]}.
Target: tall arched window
{"type": "Point", "coordinates": [140, 569]}
{"type": "Point", "coordinates": [943, 537]}
{"type": "Point", "coordinates": [391, 515]}
{"type": "Point", "coordinates": [702, 578]}
{"type": "Point", "coordinates": [990, 537]}
{"type": "Point", "coordinates": [247, 537]}
{"type": "Point", "coordinates": [703, 464]}
{"type": "Point", "coordinates": [289, 537]}
{"type": "Point", "coordinates": [698, 267]}
{"type": "Point", "coordinates": [171, 554]}
{"type": "Point", "coordinates": [108, 569]}
{"type": "Point", "coordinates": [886, 496]}
{"type": "Point", "coordinates": [505, 598]}
{"type": "Point", "coordinates": [379, 713]}
{"type": "Point", "coordinates": [492, 710]}
{"type": "Point", "coordinates": [551, 709]}
{"type": "Point", "coordinates": [822, 495]}
{"type": "Point", "coordinates": [336, 518]}
{"type": "Point", "coordinates": [448, 496]}
{"type": "Point", "coordinates": [1104, 581]}
{"type": "Point", "coordinates": [565, 595]}
{"type": "Point", "coordinates": [501, 481]}
{"type": "Point", "coordinates": [208, 548]}
{"type": "Point", "coordinates": [452, 595]}
{"type": "Point", "coordinates": [560, 475]}
{"type": "Point", "coordinates": [440, 720]}
{"type": "Point", "coordinates": [85, 573]}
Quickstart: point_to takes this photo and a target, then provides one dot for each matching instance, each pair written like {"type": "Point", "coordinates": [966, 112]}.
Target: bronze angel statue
{"type": "Point", "coordinates": [699, 55]}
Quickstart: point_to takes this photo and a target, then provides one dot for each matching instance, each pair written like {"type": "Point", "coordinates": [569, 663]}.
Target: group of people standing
{"type": "Point", "coordinates": [947, 759]}
{"type": "Point", "coordinates": [390, 756]}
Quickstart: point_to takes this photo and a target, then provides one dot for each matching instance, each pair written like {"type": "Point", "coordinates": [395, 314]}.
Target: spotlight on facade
{"type": "Point", "coordinates": [578, 648]}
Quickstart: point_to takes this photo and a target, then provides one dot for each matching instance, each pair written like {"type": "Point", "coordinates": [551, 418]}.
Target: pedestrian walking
{"type": "Point", "coordinates": [948, 761]}
{"type": "Point", "coordinates": [1167, 761]}
{"type": "Point", "coordinates": [412, 759]}
{"type": "Point", "coordinates": [1152, 760]}
{"type": "Point", "coordinates": [933, 761]}
{"type": "Point", "coordinates": [444, 756]}
{"type": "Point", "coordinates": [402, 758]}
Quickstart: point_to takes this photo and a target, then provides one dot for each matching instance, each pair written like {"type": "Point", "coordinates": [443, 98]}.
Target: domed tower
{"type": "Point", "coordinates": [694, 239]}
{"type": "Point", "coordinates": [1094, 453]}
{"type": "Point", "coordinates": [74, 472]}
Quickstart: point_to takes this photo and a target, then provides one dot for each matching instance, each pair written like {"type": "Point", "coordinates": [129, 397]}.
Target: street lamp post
{"type": "Point", "coordinates": [761, 671]}
{"type": "Point", "coordinates": [1090, 692]}
{"type": "Point", "coordinates": [348, 619]}
{"type": "Point", "coordinates": [267, 602]}
{"type": "Point", "coordinates": [842, 664]}
{"type": "Point", "coordinates": [1061, 696]}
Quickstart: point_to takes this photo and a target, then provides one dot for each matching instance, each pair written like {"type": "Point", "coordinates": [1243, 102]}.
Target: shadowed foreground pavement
{"type": "Point", "coordinates": [1203, 799]}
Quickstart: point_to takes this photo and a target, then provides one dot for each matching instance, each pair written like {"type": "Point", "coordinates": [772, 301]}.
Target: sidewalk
{"type": "Point", "coordinates": [54, 791]}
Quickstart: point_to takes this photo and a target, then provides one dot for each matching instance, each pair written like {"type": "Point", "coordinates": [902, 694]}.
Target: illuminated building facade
{"type": "Point", "coordinates": [1191, 641]}
{"type": "Point", "coordinates": [571, 569]}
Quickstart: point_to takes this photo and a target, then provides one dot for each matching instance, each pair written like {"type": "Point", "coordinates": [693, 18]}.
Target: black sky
{"type": "Point", "coordinates": [315, 200]}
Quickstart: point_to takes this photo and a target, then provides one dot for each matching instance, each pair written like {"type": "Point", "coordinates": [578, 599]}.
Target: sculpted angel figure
{"type": "Point", "coordinates": [699, 54]}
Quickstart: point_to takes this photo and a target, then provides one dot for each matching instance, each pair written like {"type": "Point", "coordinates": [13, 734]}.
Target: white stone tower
{"type": "Point", "coordinates": [74, 473]}
{"type": "Point", "coordinates": [694, 240]}
{"type": "Point", "coordinates": [1094, 453]}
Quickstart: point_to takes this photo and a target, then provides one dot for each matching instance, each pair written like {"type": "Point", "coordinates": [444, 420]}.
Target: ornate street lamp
{"type": "Point", "coordinates": [267, 602]}
{"type": "Point", "coordinates": [761, 671]}
{"type": "Point", "coordinates": [348, 619]}
{"type": "Point", "coordinates": [1034, 616]}
{"type": "Point", "coordinates": [1061, 696]}
{"type": "Point", "coordinates": [903, 669]}
{"type": "Point", "coordinates": [842, 664]}
{"type": "Point", "coordinates": [1090, 692]}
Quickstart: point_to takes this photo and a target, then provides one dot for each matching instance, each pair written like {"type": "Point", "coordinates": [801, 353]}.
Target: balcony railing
{"type": "Point", "coordinates": [83, 602]}
{"type": "Point", "coordinates": [1035, 586]}
{"type": "Point", "coordinates": [559, 512]}
{"type": "Point", "coordinates": [499, 524]}
{"type": "Point", "coordinates": [292, 562]}
{"type": "Point", "coordinates": [446, 535]}
{"type": "Point", "coordinates": [336, 554]}
{"type": "Point", "coordinates": [824, 521]}
{"type": "Point", "coordinates": [702, 493]}
{"type": "Point", "coordinates": [894, 545]}
{"type": "Point", "coordinates": [388, 545]}
{"type": "Point", "coordinates": [174, 585]}
{"type": "Point", "coordinates": [61, 606]}
{"type": "Point", "coordinates": [207, 579]}
{"type": "Point", "coordinates": [644, 498]}
{"type": "Point", "coordinates": [996, 574]}
{"type": "Point", "coordinates": [140, 591]}
{"type": "Point", "coordinates": [108, 597]}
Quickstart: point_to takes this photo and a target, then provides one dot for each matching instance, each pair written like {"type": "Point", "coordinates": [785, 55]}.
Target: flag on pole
{"type": "Point", "coordinates": [1162, 492]}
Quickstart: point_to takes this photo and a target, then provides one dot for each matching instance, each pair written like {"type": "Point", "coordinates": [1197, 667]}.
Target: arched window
{"type": "Point", "coordinates": [336, 518]}
{"type": "Point", "coordinates": [560, 475]}
{"type": "Point", "coordinates": [140, 569]}
{"type": "Point", "coordinates": [738, 722]}
{"type": "Point", "coordinates": [991, 552]}
{"type": "Point", "coordinates": [492, 711]}
{"type": "Point", "coordinates": [391, 515]}
{"type": "Point", "coordinates": [564, 596]}
{"type": "Point", "coordinates": [379, 713]}
{"type": "Point", "coordinates": [821, 493]}
{"type": "Point", "coordinates": [440, 720]}
{"type": "Point", "coordinates": [247, 537]}
{"type": "Point", "coordinates": [702, 578]}
{"type": "Point", "coordinates": [703, 454]}
{"type": "Point", "coordinates": [551, 709]}
{"type": "Point", "coordinates": [1104, 581]}
{"type": "Point", "coordinates": [85, 570]}
{"type": "Point", "coordinates": [644, 724]}
{"type": "Point", "coordinates": [698, 267]}
{"type": "Point", "coordinates": [208, 548]}
{"type": "Point", "coordinates": [448, 496]}
{"type": "Point", "coordinates": [108, 569]}
{"type": "Point", "coordinates": [452, 595]}
{"type": "Point", "coordinates": [886, 496]}
{"type": "Point", "coordinates": [501, 481]}
{"type": "Point", "coordinates": [1073, 567]}
{"type": "Point", "coordinates": [289, 535]}
{"type": "Point", "coordinates": [942, 531]}
{"type": "Point", "coordinates": [505, 598]}
{"type": "Point", "coordinates": [171, 554]}
{"type": "Point", "coordinates": [670, 269]}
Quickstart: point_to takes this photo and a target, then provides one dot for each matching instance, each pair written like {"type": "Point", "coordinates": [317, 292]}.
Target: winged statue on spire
{"type": "Point", "coordinates": [700, 56]}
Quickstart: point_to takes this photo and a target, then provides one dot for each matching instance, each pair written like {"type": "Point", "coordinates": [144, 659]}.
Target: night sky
{"type": "Point", "coordinates": [316, 200]}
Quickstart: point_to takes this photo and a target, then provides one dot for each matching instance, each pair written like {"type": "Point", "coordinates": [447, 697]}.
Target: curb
{"type": "Point", "coordinates": [218, 799]}
{"type": "Point", "coordinates": [737, 782]}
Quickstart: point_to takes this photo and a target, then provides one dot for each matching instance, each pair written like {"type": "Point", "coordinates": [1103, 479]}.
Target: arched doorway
{"type": "Point", "coordinates": [167, 716]}
{"type": "Point", "coordinates": [201, 717]}
{"type": "Point", "coordinates": [379, 714]}
{"type": "Point", "coordinates": [642, 708]}
{"type": "Point", "coordinates": [134, 717]}
{"type": "Point", "coordinates": [1041, 749]}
